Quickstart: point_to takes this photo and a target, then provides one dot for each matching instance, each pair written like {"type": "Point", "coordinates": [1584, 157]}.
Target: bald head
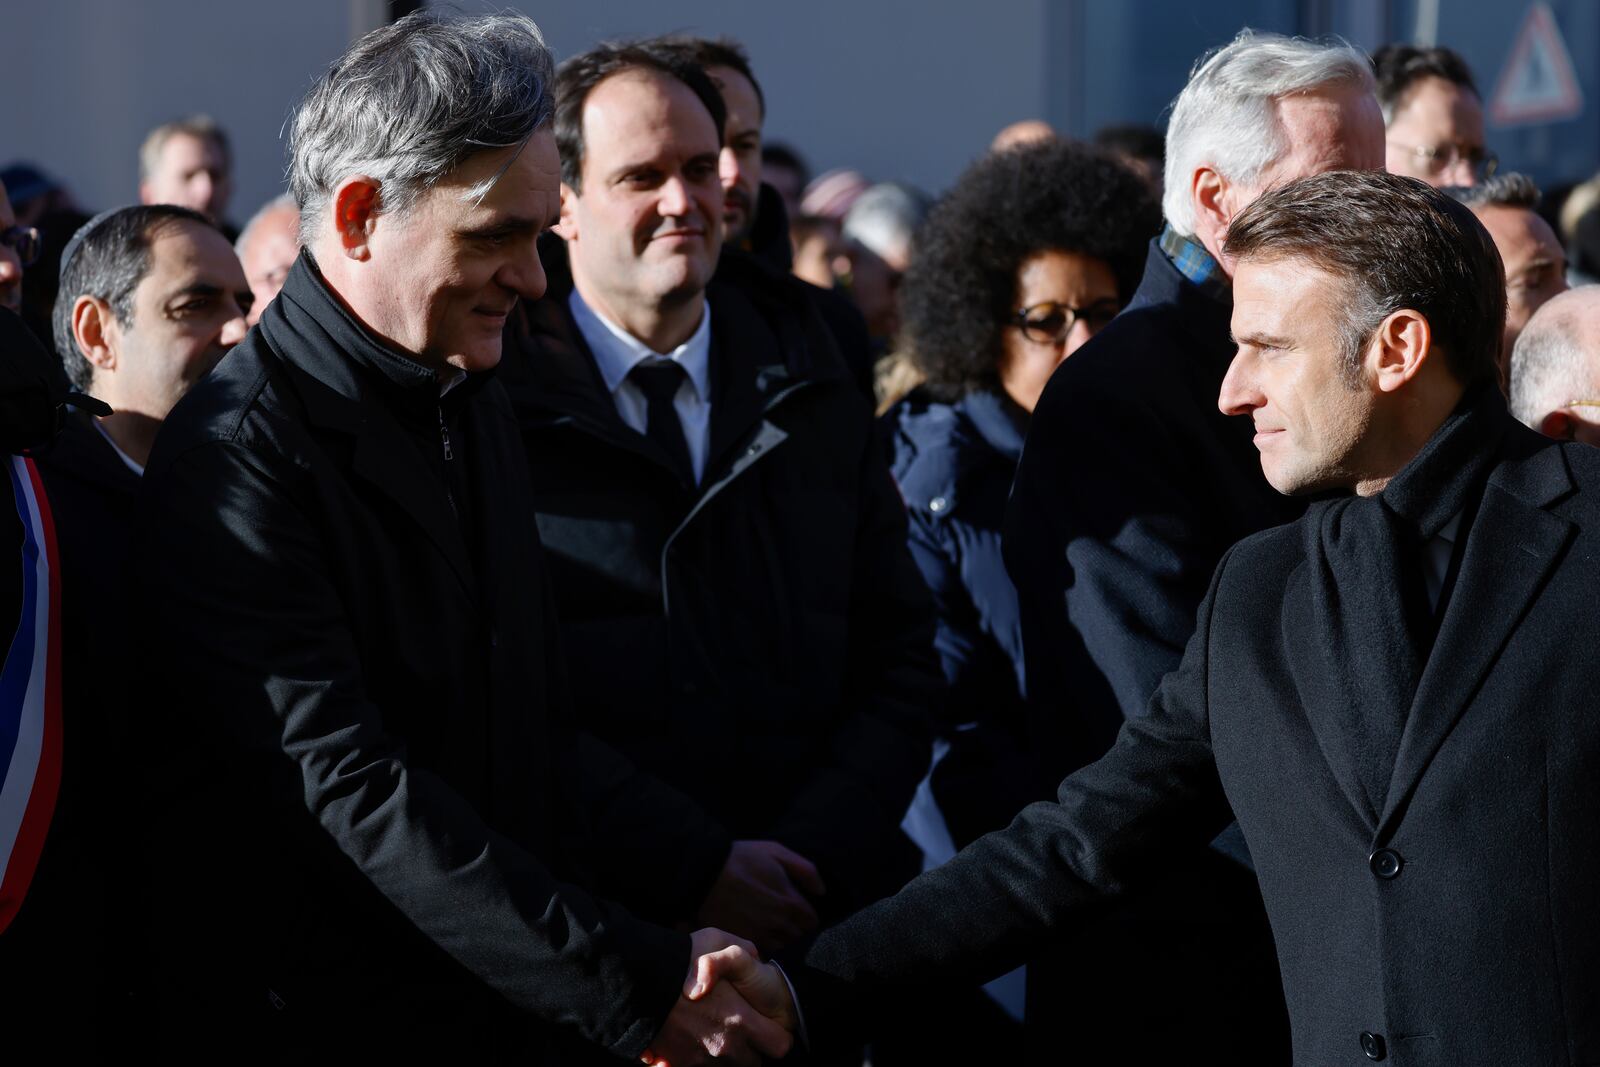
{"type": "Point", "coordinates": [1028, 131]}
{"type": "Point", "coordinates": [1555, 368]}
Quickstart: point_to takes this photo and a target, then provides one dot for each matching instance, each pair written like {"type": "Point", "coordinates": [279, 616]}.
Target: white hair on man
{"type": "Point", "coordinates": [1555, 367]}
{"type": "Point", "coordinates": [1226, 116]}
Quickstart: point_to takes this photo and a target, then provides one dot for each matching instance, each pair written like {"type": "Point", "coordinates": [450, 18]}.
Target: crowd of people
{"type": "Point", "coordinates": [563, 584]}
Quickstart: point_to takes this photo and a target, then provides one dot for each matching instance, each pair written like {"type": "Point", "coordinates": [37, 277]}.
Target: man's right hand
{"type": "Point", "coordinates": [716, 1023]}
{"type": "Point", "coordinates": [762, 985]}
{"type": "Point", "coordinates": [761, 893]}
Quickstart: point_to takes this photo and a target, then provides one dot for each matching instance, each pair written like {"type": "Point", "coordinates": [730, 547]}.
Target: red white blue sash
{"type": "Point", "coordinates": [30, 695]}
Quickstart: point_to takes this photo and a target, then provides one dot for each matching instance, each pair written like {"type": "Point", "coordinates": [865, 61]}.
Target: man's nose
{"type": "Point", "coordinates": [1238, 395]}
{"type": "Point", "coordinates": [674, 201]}
{"type": "Point", "coordinates": [524, 274]}
{"type": "Point", "coordinates": [1460, 171]}
{"type": "Point", "coordinates": [234, 329]}
{"type": "Point", "coordinates": [728, 169]}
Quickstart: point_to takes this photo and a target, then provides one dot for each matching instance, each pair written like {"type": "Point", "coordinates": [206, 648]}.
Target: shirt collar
{"type": "Point", "coordinates": [128, 461]}
{"type": "Point", "coordinates": [1192, 261]}
{"type": "Point", "coordinates": [617, 352]}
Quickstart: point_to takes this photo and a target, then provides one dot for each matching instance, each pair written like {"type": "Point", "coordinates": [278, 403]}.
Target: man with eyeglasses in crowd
{"type": "Point", "coordinates": [19, 246]}
{"type": "Point", "coordinates": [1433, 116]}
{"type": "Point", "coordinates": [1535, 263]}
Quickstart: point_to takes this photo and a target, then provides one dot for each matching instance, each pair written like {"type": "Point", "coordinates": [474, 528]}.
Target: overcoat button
{"type": "Point", "coordinates": [938, 504]}
{"type": "Point", "coordinates": [1385, 863]}
{"type": "Point", "coordinates": [1372, 1045]}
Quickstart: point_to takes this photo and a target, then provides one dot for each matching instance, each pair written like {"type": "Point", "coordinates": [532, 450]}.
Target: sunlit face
{"type": "Point", "coordinates": [1049, 283]}
{"type": "Point", "coordinates": [1311, 424]}
{"type": "Point", "coordinates": [1536, 265]}
{"type": "Point", "coordinates": [10, 262]}
{"type": "Point", "coordinates": [740, 161]}
{"type": "Point", "coordinates": [188, 310]}
{"type": "Point", "coordinates": [646, 229]}
{"type": "Point", "coordinates": [1436, 134]}
{"type": "Point", "coordinates": [271, 250]}
{"type": "Point", "coordinates": [450, 269]}
{"type": "Point", "coordinates": [192, 172]}
{"type": "Point", "coordinates": [1332, 129]}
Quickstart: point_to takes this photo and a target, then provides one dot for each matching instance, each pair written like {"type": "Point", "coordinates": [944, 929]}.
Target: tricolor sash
{"type": "Point", "coordinates": [30, 695]}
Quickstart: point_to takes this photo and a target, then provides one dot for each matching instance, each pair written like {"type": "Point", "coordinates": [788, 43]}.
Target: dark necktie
{"type": "Point", "coordinates": [659, 382]}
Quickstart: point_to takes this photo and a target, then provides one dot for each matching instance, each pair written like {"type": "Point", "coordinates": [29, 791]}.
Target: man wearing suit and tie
{"type": "Point", "coordinates": [740, 613]}
{"type": "Point", "coordinates": [1393, 695]}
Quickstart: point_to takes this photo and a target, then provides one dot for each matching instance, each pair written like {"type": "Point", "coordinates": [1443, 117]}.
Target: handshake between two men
{"type": "Point", "coordinates": [734, 1008]}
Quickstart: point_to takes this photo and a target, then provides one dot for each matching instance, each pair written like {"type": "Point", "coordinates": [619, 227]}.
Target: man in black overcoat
{"type": "Point", "coordinates": [1130, 488]}
{"type": "Point", "coordinates": [725, 545]}
{"type": "Point", "coordinates": [1393, 694]}
{"type": "Point", "coordinates": [367, 827]}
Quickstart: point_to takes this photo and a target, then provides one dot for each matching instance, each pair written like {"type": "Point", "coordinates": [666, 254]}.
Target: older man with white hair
{"type": "Point", "coordinates": [1555, 368]}
{"type": "Point", "coordinates": [1131, 487]}
{"type": "Point", "coordinates": [368, 832]}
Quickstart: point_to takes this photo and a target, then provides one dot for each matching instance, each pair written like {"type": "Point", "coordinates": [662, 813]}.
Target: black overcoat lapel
{"type": "Point", "coordinates": [1511, 548]}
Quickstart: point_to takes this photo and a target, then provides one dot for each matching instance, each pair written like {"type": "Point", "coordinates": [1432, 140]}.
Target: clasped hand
{"type": "Point", "coordinates": [734, 1008]}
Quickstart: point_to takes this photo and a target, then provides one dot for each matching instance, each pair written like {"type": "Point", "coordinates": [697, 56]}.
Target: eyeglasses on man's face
{"type": "Point", "coordinates": [1436, 159]}
{"type": "Point", "coordinates": [24, 241]}
{"type": "Point", "coordinates": [1049, 323]}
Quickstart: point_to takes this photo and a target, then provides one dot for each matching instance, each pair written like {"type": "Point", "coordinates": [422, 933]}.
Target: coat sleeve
{"type": "Point", "coordinates": [846, 818]}
{"type": "Point", "coordinates": [275, 674]}
{"type": "Point", "coordinates": [1111, 826]}
{"type": "Point", "coordinates": [1103, 545]}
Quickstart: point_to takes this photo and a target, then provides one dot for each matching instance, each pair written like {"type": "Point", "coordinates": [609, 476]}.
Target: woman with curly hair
{"type": "Point", "coordinates": [1033, 250]}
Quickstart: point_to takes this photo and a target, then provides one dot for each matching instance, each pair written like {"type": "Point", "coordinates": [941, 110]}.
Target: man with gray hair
{"type": "Point", "coordinates": [367, 829]}
{"type": "Point", "coordinates": [1129, 491]}
{"type": "Point", "coordinates": [878, 231]}
{"type": "Point", "coordinates": [1535, 263]}
{"type": "Point", "coordinates": [1555, 368]}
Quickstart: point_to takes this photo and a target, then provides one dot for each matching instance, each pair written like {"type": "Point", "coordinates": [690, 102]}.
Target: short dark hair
{"type": "Point", "coordinates": [107, 260]}
{"type": "Point", "coordinates": [779, 154]}
{"type": "Point", "coordinates": [578, 76]}
{"type": "Point", "coordinates": [1397, 67]}
{"type": "Point", "coordinates": [960, 289]}
{"type": "Point", "coordinates": [708, 52]}
{"type": "Point", "coordinates": [1502, 190]}
{"type": "Point", "coordinates": [1396, 243]}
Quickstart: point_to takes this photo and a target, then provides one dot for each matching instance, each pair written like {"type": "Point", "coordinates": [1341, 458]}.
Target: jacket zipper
{"type": "Point", "coordinates": [444, 439]}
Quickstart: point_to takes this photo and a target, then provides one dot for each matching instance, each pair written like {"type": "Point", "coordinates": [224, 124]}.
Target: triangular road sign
{"type": "Point", "coordinates": [1537, 84]}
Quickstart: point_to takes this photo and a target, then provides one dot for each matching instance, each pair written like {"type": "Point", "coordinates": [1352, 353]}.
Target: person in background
{"type": "Point", "coordinates": [19, 246]}
{"type": "Point", "coordinates": [44, 205]}
{"type": "Point", "coordinates": [1432, 114]}
{"type": "Point", "coordinates": [1028, 131]}
{"type": "Point", "coordinates": [1139, 146]}
{"type": "Point", "coordinates": [267, 248]}
{"type": "Point", "coordinates": [1555, 368]}
{"type": "Point", "coordinates": [188, 162]}
{"type": "Point", "coordinates": [1032, 252]}
{"type": "Point", "coordinates": [785, 169]}
{"type": "Point", "coordinates": [878, 232]}
{"type": "Point", "coordinates": [1535, 263]}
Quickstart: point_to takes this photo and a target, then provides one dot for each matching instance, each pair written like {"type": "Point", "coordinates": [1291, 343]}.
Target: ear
{"type": "Point", "coordinates": [1399, 348]}
{"type": "Point", "coordinates": [567, 226]}
{"type": "Point", "coordinates": [1208, 192]}
{"type": "Point", "coordinates": [1559, 424]}
{"type": "Point", "coordinates": [93, 322]}
{"type": "Point", "coordinates": [356, 202]}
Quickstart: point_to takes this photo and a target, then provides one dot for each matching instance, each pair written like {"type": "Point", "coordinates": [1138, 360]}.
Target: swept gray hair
{"type": "Point", "coordinates": [408, 102]}
{"type": "Point", "coordinates": [1225, 116]}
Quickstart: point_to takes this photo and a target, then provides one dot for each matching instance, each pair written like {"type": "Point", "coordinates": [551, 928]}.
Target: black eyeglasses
{"type": "Point", "coordinates": [1049, 323]}
{"type": "Point", "coordinates": [24, 240]}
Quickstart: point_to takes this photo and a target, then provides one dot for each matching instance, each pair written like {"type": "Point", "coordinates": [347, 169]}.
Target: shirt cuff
{"type": "Point", "coordinates": [799, 1016]}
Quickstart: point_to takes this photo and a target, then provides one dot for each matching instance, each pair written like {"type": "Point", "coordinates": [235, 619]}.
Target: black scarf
{"type": "Point", "coordinates": [1366, 553]}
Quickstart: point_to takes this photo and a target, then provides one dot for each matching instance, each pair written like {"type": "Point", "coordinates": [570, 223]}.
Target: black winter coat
{"type": "Point", "coordinates": [367, 819]}
{"type": "Point", "coordinates": [1455, 926]}
{"type": "Point", "coordinates": [762, 641]}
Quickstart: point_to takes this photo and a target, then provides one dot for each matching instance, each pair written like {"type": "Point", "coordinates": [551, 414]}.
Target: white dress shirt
{"type": "Point", "coordinates": [616, 352]}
